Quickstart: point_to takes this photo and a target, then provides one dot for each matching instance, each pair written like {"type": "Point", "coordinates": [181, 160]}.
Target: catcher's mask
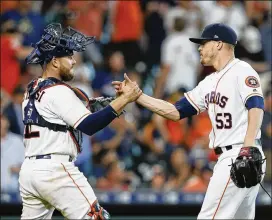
{"type": "Point", "coordinates": [56, 42]}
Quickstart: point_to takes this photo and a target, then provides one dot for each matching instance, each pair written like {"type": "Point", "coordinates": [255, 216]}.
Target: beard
{"type": "Point", "coordinates": [66, 74]}
{"type": "Point", "coordinates": [207, 60]}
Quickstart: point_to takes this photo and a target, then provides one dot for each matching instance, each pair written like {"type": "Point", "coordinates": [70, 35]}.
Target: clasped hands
{"type": "Point", "coordinates": [128, 89]}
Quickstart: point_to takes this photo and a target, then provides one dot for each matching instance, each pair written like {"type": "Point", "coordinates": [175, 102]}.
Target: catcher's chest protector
{"type": "Point", "coordinates": [32, 117]}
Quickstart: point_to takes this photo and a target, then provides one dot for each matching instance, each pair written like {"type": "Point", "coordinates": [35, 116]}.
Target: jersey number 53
{"type": "Point", "coordinates": [223, 121]}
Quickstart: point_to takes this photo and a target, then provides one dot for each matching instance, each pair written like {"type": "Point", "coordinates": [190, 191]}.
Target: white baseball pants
{"type": "Point", "coordinates": [223, 199]}
{"type": "Point", "coordinates": [49, 184]}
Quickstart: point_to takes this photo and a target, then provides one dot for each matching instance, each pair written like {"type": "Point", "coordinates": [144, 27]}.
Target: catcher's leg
{"type": "Point", "coordinates": [71, 193]}
{"type": "Point", "coordinates": [222, 198]}
{"type": "Point", "coordinates": [33, 206]}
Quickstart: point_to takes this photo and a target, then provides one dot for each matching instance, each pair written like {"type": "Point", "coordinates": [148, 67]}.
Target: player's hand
{"type": "Point", "coordinates": [117, 87]}
{"type": "Point", "coordinates": [129, 89]}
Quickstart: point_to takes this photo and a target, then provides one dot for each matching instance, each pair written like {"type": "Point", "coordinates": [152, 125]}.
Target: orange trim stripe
{"type": "Point", "coordinates": [75, 183]}
{"type": "Point", "coordinates": [74, 140]}
{"type": "Point", "coordinates": [82, 94]}
{"type": "Point", "coordinates": [221, 198]}
{"type": "Point", "coordinates": [253, 94]}
{"type": "Point", "coordinates": [192, 102]}
{"type": "Point", "coordinates": [81, 118]}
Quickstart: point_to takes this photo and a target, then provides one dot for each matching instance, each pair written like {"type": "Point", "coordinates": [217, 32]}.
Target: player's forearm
{"type": "Point", "coordinates": [255, 117]}
{"type": "Point", "coordinates": [119, 104]}
{"type": "Point", "coordinates": [97, 121]}
{"type": "Point", "coordinates": [160, 107]}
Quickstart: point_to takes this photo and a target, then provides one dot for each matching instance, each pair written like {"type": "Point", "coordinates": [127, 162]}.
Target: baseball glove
{"type": "Point", "coordinates": [99, 103]}
{"type": "Point", "coordinates": [246, 171]}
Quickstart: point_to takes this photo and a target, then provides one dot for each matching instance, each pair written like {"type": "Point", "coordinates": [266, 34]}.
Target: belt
{"type": "Point", "coordinates": [219, 150]}
{"type": "Point", "coordinates": [57, 157]}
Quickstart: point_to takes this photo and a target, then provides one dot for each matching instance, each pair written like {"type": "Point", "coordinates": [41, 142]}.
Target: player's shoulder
{"type": "Point", "coordinates": [205, 82]}
{"type": "Point", "coordinates": [58, 89]}
{"type": "Point", "coordinates": [245, 73]}
{"type": "Point", "coordinates": [208, 78]}
{"type": "Point", "coordinates": [244, 68]}
{"type": "Point", "coordinates": [57, 93]}
{"type": "Point", "coordinates": [243, 64]}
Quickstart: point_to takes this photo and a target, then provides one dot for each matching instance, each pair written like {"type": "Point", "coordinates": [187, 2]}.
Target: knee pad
{"type": "Point", "coordinates": [98, 212]}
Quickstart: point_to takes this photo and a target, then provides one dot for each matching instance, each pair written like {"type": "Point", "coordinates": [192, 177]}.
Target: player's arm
{"type": "Point", "coordinates": [255, 106]}
{"type": "Point", "coordinates": [191, 104]}
{"type": "Point", "coordinates": [98, 120]}
{"type": "Point", "coordinates": [180, 110]}
{"type": "Point", "coordinates": [249, 87]}
{"type": "Point", "coordinates": [72, 111]}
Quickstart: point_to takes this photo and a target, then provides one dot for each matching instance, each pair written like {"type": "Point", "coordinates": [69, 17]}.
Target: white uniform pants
{"type": "Point", "coordinates": [46, 184]}
{"type": "Point", "coordinates": [223, 199]}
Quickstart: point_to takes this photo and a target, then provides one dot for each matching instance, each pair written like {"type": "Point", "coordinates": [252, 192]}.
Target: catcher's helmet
{"type": "Point", "coordinates": [57, 42]}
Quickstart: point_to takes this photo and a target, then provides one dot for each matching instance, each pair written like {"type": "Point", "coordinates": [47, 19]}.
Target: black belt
{"type": "Point", "coordinates": [48, 156]}
{"type": "Point", "coordinates": [218, 150]}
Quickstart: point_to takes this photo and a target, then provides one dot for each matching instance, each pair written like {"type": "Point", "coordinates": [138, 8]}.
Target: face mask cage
{"type": "Point", "coordinates": [58, 42]}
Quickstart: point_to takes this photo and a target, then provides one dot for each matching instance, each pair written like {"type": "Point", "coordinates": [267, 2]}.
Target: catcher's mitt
{"type": "Point", "coordinates": [99, 103]}
{"type": "Point", "coordinates": [246, 171]}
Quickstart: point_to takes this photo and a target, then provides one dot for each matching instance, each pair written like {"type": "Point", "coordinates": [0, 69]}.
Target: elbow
{"type": "Point", "coordinates": [173, 115]}
{"type": "Point", "coordinates": [175, 119]}
{"type": "Point", "coordinates": [172, 118]}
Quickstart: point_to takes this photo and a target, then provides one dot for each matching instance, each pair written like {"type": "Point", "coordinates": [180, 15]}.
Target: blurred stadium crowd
{"type": "Point", "coordinates": [148, 39]}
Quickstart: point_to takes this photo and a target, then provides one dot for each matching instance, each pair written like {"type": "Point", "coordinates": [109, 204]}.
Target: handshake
{"type": "Point", "coordinates": [128, 90]}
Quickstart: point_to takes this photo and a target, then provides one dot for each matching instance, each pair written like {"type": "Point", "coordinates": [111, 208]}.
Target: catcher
{"type": "Point", "coordinates": [54, 115]}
